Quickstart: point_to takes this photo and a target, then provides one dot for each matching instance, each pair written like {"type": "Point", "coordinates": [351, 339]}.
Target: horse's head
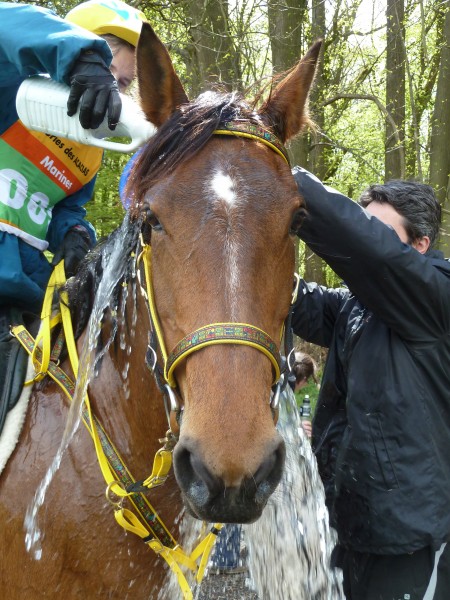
{"type": "Point", "coordinates": [220, 212]}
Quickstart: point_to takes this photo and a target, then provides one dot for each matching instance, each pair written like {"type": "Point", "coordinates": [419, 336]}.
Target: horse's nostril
{"type": "Point", "coordinates": [213, 483]}
{"type": "Point", "coordinates": [189, 468]}
{"type": "Point", "coordinates": [270, 469]}
{"type": "Point", "coordinates": [208, 497]}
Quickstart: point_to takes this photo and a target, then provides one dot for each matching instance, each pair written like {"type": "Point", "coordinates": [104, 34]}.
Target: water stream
{"type": "Point", "coordinates": [290, 545]}
{"type": "Point", "coordinates": [114, 264]}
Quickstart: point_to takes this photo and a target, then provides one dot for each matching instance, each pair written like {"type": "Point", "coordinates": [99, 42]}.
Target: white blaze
{"type": "Point", "coordinates": [222, 186]}
{"type": "Point", "coordinates": [223, 190]}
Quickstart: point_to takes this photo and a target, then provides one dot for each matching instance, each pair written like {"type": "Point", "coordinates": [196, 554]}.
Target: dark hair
{"type": "Point", "coordinates": [304, 367]}
{"type": "Point", "coordinates": [415, 202]}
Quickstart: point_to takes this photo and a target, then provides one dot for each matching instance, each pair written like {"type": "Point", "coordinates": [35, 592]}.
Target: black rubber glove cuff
{"type": "Point", "coordinates": [93, 86]}
{"type": "Point", "coordinates": [75, 245]}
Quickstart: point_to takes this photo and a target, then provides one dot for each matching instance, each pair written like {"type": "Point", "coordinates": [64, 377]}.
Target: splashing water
{"type": "Point", "coordinates": [290, 545]}
{"type": "Point", "coordinates": [114, 267]}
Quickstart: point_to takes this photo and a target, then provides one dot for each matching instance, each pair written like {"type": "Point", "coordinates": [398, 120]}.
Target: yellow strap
{"type": "Point", "coordinates": [67, 320]}
{"type": "Point", "coordinates": [170, 559]}
{"type": "Point", "coordinates": [173, 556]}
{"type": "Point", "coordinates": [146, 254]}
{"type": "Point", "coordinates": [43, 339]}
{"type": "Point", "coordinates": [163, 458]}
{"type": "Point", "coordinates": [204, 550]}
{"type": "Point", "coordinates": [169, 375]}
{"type": "Point", "coordinates": [58, 278]}
{"type": "Point", "coordinates": [162, 464]}
{"type": "Point", "coordinates": [250, 136]}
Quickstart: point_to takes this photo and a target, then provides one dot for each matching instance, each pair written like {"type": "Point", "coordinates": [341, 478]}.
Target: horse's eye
{"type": "Point", "coordinates": [153, 221]}
{"type": "Point", "coordinates": [297, 221]}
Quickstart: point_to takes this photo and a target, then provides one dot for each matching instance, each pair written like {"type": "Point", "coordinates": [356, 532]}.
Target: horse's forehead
{"type": "Point", "coordinates": [233, 173]}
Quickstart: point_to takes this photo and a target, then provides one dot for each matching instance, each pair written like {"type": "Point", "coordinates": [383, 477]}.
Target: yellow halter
{"type": "Point", "coordinates": [208, 335]}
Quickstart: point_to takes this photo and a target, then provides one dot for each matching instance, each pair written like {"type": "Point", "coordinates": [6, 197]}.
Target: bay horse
{"type": "Point", "coordinates": [214, 199]}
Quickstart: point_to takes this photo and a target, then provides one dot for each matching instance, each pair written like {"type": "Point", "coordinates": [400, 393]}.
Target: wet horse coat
{"type": "Point", "coordinates": [220, 213]}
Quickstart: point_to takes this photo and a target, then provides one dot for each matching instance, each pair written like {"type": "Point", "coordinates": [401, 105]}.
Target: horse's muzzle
{"type": "Point", "coordinates": [208, 498]}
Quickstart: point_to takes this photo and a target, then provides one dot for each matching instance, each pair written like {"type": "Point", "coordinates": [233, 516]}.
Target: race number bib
{"type": "Point", "coordinates": [36, 172]}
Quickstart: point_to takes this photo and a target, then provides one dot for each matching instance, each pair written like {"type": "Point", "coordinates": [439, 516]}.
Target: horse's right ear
{"type": "Point", "coordinates": [287, 108]}
{"type": "Point", "coordinates": [160, 89]}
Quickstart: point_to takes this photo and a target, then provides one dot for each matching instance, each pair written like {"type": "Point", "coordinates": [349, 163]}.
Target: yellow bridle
{"type": "Point", "coordinates": [213, 333]}
{"type": "Point", "coordinates": [117, 490]}
{"type": "Point", "coordinates": [144, 520]}
{"type": "Point", "coordinates": [208, 335]}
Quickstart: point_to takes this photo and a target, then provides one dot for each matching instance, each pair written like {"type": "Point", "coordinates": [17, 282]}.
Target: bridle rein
{"type": "Point", "coordinates": [216, 333]}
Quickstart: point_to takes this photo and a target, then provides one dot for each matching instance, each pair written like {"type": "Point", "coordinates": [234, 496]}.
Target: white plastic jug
{"type": "Point", "coordinates": [42, 105]}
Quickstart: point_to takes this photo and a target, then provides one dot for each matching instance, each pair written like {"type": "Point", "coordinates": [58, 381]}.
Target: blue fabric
{"type": "Point", "coordinates": [34, 40]}
{"type": "Point", "coordinates": [68, 213]}
{"type": "Point", "coordinates": [24, 273]}
{"type": "Point", "coordinates": [228, 547]}
{"type": "Point", "coordinates": [124, 178]}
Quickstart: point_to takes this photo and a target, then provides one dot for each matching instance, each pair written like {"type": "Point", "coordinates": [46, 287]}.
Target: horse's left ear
{"type": "Point", "coordinates": [160, 89]}
{"type": "Point", "coordinates": [286, 109]}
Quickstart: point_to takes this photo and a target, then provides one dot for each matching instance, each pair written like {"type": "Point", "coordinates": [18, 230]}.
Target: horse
{"type": "Point", "coordinates": [214, 200]}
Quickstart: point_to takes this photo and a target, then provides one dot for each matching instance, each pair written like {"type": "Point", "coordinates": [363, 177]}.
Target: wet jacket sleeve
{"type": "Point", "coordinates": [68, 213]}
{"type": "Point", "coordinates": [405, 289]}
{"type": "Point", "coordinates": [315, 312]}
{"type": "Point", "coordinates": [34, 40]}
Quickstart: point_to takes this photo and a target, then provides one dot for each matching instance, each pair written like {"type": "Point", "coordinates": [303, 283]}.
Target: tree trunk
{"type": "Point", "coordinates": [440, 132]}
{"type": "Point", "coordinates": [314, 266]}
{"type": "Point", "coordinates": [395, 88]}
{"type": "Point", "coordinates": [214, 59]}
{"type": "Point", "coordinates": [286, 32]}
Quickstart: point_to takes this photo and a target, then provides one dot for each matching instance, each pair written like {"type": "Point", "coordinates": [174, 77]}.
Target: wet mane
{"type": "Point", "coordinates": [181, 136]}
{"type": "Point", "coordinates": [81, 288]}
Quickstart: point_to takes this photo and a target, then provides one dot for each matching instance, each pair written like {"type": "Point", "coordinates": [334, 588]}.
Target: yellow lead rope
{"type": "Point", "coordinates": [176, 556]}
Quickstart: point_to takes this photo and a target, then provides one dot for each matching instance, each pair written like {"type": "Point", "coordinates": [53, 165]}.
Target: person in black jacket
{"type": "Point", "coordinates": [381, 430]}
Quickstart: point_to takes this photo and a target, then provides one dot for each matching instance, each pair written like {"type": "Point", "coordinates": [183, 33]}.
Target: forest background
{"type": "Point", "coordinates": [381, 100]}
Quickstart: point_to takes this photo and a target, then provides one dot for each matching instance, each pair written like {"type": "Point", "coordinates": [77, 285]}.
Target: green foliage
{"type": "Point", "coordinates": [357, 162]}
{"type": "Point", "coordinates": [105, 210]}
{"type": "Point", "coordinates": [348, 101]}
{"type": "Point", "coordinates": [312, 391]}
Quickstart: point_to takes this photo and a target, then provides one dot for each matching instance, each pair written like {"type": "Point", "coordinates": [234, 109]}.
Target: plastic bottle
{"type": "Point", "coordinates": [42, 105]}
{"type": "Point", "coordinates": [305, 410]}
{"type": "Point", "coordinates": [305, 414]}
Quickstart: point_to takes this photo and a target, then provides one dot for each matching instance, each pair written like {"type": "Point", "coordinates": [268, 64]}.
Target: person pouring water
{"type": "Point", "coordinates": [45, 180]}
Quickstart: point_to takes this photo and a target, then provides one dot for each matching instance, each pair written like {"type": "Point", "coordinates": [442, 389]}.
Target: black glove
{"type": "Point", "coordinates": [92, 81]}
{"type": "Point", "coordinates": [75, 245]}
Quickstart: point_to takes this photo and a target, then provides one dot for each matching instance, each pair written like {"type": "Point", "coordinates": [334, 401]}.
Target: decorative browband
{"type": "Point", "coordinates": [243, 128]}
{"type": "Point", "coordinates": [224, 333]}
